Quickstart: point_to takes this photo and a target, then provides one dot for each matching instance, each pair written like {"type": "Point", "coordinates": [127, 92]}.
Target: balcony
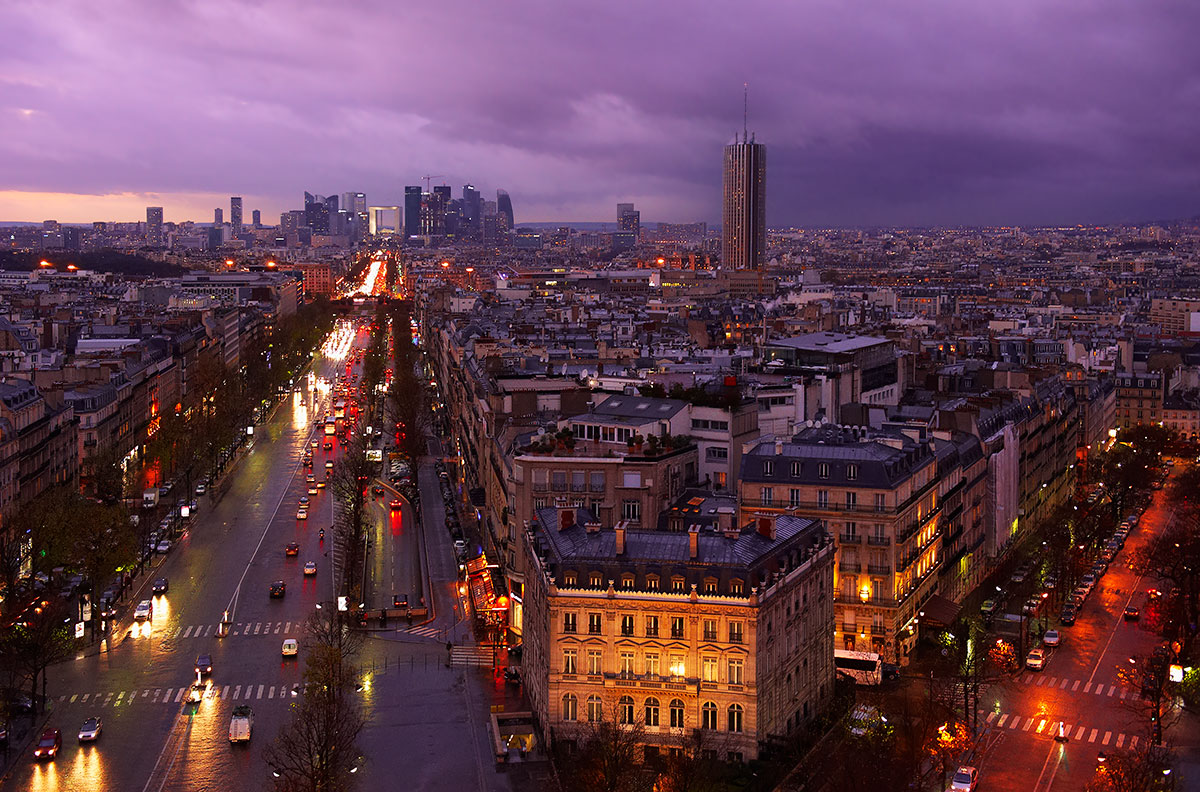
{"type": "Point", "coordinates": [879, 569]}
{"type": "Point", "coordinates": [876, 602]}
{"type": "Point", "coordinates": [852, 567]}
{"type": "Point", "coordinates": [879, 541]}
{"type": "Point", "coordinates": [849, 539]}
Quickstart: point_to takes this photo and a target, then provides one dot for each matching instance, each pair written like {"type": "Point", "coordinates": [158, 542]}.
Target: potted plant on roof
{"type": "Point", "coordinates": [638, 440]}
{"type": "Point", "coordinates": [629, 441]}
{"type": "Point", "coordinates": [652, 445]}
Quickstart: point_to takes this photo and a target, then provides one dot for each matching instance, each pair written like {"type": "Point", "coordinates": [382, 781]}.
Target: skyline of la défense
{"type": "Point", "coordinates": [536, 397]}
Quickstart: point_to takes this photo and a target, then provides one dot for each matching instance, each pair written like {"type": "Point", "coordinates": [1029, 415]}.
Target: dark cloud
{"type": "Point", "coordinates": [875, 112]}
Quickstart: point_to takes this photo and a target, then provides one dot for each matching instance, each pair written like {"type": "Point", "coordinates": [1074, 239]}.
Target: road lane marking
{"type": "Point", "coordinates": [271, 692]}
{"type": "Point", "coordinates": [208, 631]}
{"type": "Point", "coordinates": [288, 627]}
{"type": "Point", "coordinates": [225, 692]}
{"type": "Point", "coordinates": [1040, 680]}
{"type": "Point", "coordinates": [1133, 741]}
{"type": "Point", "coordinates": [85, 697]}
{"type": "Point", "coordinates": [1087, 688]}
{"type": "Point", "coordinates": [1120, 739]}
{"type": "Point", "coordinates": [237, 691]}
{"type": "Point", "coordinates": [1079, 734]}
{"type": "Point", "coordinates": [1092, 736]}
{"type": "Point", "coordinates": [179, 696]}
{"type": "Point", "coordinates": [187, 632]}
{"type": "Point", "coordinates": [73, 698]}
{"type": "Point", "coordinates": [1000, 723]}
{"type": "Point", "coordinates": [1123, 694]}
{"type": "Point", "coordinates": [991, 716]}
{"type": "Point", "coordinates": [1075, 686]}
{"type": "Point", "coordinates": [1107, 735]}
{"type": "Point", "coordinates": [278, 627]}
{"type": "Point", "coordinates": [260, 692]}
{"type": "Point", "coordinates": [1063, 686]}
{"type": "Point", "coordinates": [145, 692]}
{"type": "Point", "coordinates": [1028, 723]}
{"type": "Point", "coordinates": [1111, 689]}
{"type": "Point", "coordinates": [257, 625]}
{"type": "Point", "coordinates": [120, 696]}
{"type": "Point", "coordinates": [1041, 726]}
{"type": "Point", "coordinates": [1015, 722]}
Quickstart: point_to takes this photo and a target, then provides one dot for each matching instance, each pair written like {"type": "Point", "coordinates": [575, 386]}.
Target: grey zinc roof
{"type": "Point", "coordinates": [828, 342]}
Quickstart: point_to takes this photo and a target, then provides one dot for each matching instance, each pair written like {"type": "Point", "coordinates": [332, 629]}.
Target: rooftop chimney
{"type": "Point", "coordinates": [693, 540]}
{"type": "Point", "coordinates": [620, 529]}
{"type": "Point", "coordinates": [566, 517]}
{"type": "Point", "coordinates": [766, 527]}
{"type": "Point", "coordinates": [592, 526]}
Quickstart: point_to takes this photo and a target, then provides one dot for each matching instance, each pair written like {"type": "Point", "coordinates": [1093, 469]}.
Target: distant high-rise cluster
{"type": "Point", "coordinates": [235, 215]}
{"type": "Point", "coordinates": [744, 215]}
{"type": "Point", "coordinates": [434, 212]}
{"type": "Point", "coordinates": [154, 226]}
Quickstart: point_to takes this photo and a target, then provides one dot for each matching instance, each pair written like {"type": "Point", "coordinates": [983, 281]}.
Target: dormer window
{"type": "Point", "coordinates": [594, 580]}
{"type": "Point", "coordinates": [626, 581]}
{"type": "Point", "coordinates": [823, 470]}
{"type": "Point", "coordinates": [795, 470]}
{"type": "Point", "coordinates": [768, 467]}
{"type": "Point", "coordinates": [852, 472]}
{"type": "Point", "coordinates": [677, 583]}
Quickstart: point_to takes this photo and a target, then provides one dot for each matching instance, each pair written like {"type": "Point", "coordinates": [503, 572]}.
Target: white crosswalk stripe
{"type": "Point", "coordinates": [1048, 727]}
{"type": "Point", "coordinates": [173, 695]}
{"type": "Point", "coordinates": [192, 631]}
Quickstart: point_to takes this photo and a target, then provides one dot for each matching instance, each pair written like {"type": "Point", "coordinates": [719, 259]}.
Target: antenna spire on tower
{"type": "Point", "coordinates": [745, 111]}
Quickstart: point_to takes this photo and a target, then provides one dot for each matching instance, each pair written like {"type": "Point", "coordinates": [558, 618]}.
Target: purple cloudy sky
{"type": "Point", "coordinates": [874, 111]}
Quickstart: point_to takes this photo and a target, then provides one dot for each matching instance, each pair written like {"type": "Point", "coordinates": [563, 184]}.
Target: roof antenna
{"type": "Point", "coordinates": [745, 112]}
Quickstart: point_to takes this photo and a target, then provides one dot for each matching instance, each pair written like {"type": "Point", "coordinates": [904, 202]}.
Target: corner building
{"type": "Point", "coordinates": [716, 637]}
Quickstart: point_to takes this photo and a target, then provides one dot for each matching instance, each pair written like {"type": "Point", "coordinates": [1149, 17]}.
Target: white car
{"type": "Point", "coordinates": [144, 611]}
{"type": "Point", "coordinates": [290, 647]}
{"type": "Point", "coordinates": [1051, 638]}
{"type": "Point", "coordinates": [163, 547]}
{"type": "Point", "coordinates": [302, 514]}
{"type": "Point", "coordinates": [310, 567]}
{"type": "Point", "coordinates": [201, 489]}
{"type": "Point", "coordinates": [1036, 660]}
{"type": "Point", "coordinates": [965, 780]}
{"type": "Point", "coordinates": [90, 730]}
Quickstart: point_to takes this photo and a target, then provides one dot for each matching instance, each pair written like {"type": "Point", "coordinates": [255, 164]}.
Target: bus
{"type": "Point", "coordinates": [330, 425]}
{"type": "Point", "coordinates": [863, 667]}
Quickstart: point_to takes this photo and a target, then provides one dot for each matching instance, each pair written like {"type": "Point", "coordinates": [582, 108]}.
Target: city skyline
{"type": "Point", "coordinates": [954, 116]}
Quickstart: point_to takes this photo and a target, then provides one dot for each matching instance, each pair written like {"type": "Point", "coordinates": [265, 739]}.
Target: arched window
{"type": "Point", "coordinates": [735, 717]}
{"type": "Point", "coordinates": [676, 713]}
{"type": "Point", "coordinates": [595, 710]}
{"type": "Point", "coordinates": [708, 716]}
{"type": "Point", "coordinates": [625, 709]}
{"type": "Point", "coordinates": [651, 712]}
{"type": "Point", "coordinates": [570, 709]}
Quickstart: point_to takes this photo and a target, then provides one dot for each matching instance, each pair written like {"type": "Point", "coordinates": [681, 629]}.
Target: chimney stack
{"type": "Point", "coordinates": [693, 540]}
{"type": "Point", "coordinates": [566, 517]}
{"type": "Point", "coordinates": [620, 529]}
{"type": "Point", "coordinates": [778, 446]}
{"type": "Point", "coordinates": [766, 527]}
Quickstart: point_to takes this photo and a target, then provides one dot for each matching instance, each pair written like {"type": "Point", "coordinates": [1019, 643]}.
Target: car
{"type": "Point", "coordinates": [303, 501]}
{"type": "Point", "coordinates": [1050, 583]}
{"type": "Point", "coordinates": [1132, 613]}
{"type": "Point", "coordinates": [1050, 638]}
{"type": "Point", "coordinates": [312, 489]}
{"type": "Point", "coordinates": [460, 546]}
{"type": "Point", "coordinates": [1019, 576]}
{"type": "Point", "coordinates": [201, 489]}
{"type": "Point", "coordinates": [144, 611]}
{"type": "Point", "coordinates": [1089, 579]}
{"type": "Point", "coordinates": [160, 585]}
{"type": "Point", "coordinates": [302, 514]}
{"type": "Point", "coordinates": [310, 478]}
{"type": "Point", "coordinates": [965, 780]}
{"type": "Point", "coordinates": [164, 546]}
{"type": "Point", "coordinates": [328, 446]}
{"type": "Point", "coordinates": [377, 490]}
{"type": "Point", "coordinates": [314, 443]}
{"type": "Point", "coordinates": [321, 484]}
{"type": "Point", "coordinates": [277, 589]}
{"type": "Point", "coordinates": [310, 567]}
{"type": "Point", "coordinates": [1035, 660]}
{"type": "Point", "coordinates": [1031, 606]}
{"type": "Point", "coordinates": [292, 549]}
{"type": "Point", "coordinates": [90, 730]}
{"type": "Point", "coordinates": [196, 692]}
{"type": "Point", "coordinates": [1068, 615]}
{"type": "Point", "coordinates": [290, 647]}
{"type": "Point", "coordinates": [203, 665]}
{"type": "Point", "coordinates": [48, 745]}
{"type": "Point", "coordinates": [988, 607]}
{"type": "Point", "coordinates": [395, 504]}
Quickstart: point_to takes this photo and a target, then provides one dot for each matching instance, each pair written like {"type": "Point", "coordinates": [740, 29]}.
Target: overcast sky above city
{"type": "Point", "coordinates": [874, 112]}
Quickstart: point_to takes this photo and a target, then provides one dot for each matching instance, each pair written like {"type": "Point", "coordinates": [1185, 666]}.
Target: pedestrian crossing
{"type": "Point", "coordinates": [424, 632]}
{"type": "Point", "coordinates": [1048, 727]}
{"type": "Point", "coordinates": [172, 695]}
{"type": "Point", "coordinates": [471, 656]}
{"type": "Point", "coordinates": [236, 629]}
{"type": "Point", "coordinates": [1102, 689]}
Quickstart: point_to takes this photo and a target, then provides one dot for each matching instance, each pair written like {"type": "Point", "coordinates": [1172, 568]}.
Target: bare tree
{"type": "Point", "coordinates": [317, 750]}
{"type": "Point", "coordinates": [349, 480]}
{"type": "Point", "coordinates": [32, 647]}
{"type": "Point", "coordinates": [1147, 768]}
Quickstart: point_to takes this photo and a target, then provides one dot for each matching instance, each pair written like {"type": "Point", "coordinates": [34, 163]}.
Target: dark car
{"type": "Point", "coordinates": [293, 549]}
{"type": "Point", "coordinates": [1132, 614]}
{"type": "Point", "coordinates": [160, 586]}
{"type": "Point", "coordinates": [278, 588]}
{"type": "Point", "coordinates": [47, 747]}
{"type": "Point", "coordinates": [328, 446]}
{"type": "Point", "coordinates": [395, 504]}
{"type": "Point", "coordinates": [1067, 616]}
{"type": "Point", "coordinates": [204, 664]}
{"type": "Point", "coordinates": [377, 489]}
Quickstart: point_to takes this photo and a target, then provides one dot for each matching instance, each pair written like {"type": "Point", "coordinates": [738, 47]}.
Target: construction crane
{"type": "Point", "coordinates": [430, 178]}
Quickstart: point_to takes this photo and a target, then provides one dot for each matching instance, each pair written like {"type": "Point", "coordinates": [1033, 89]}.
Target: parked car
{"type": "Point", "coordinates": [1068, 614]}
{"type": "Point", "coordinates": [1031, 606]}
{"type": "Point", "coordinates": [1050, 638]}
{"type": "Point", "coordinates": [988, 607]}
{"type": "Point", "coordinates": [164, 546]}
{"type": "Point", "coordinates": [201, 488]}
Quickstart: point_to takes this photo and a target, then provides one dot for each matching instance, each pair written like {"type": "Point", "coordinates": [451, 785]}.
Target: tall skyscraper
{"type": "Point", "coordinates": [472, 210]}
{"type": "Point", "coordinates": [504, 211]}
{"type": "Point", "coordinates": [316, 213]}
{"type": "Point", "coordinates": [154, 221]}
{"type": "Point", "coordinates": [412, 210]}
{"type": "Point", "coordinates": [256, 218]}
{"type": "Point", "coordinates": [218, 216]}
{"type": "Point", "coordinates": [744, 210]}
{"type": "Point", "coordinates": [629, 219]}
{"type": "Point", "coordinates": [235, 214]}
